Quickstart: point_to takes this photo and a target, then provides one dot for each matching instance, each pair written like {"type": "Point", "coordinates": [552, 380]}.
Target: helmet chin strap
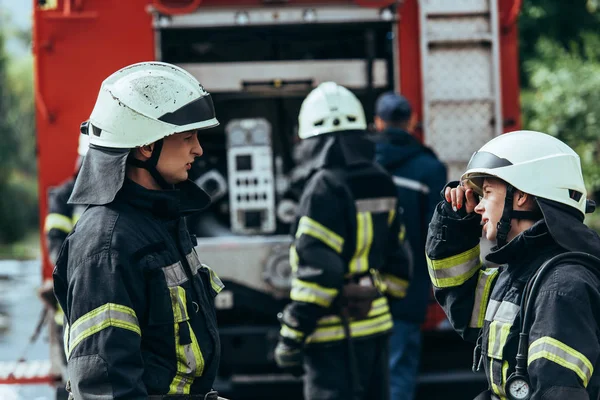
{"type": "Point", "coordinates": [150, 165]}
{"type": "Point", "coordinates": [503, 227]}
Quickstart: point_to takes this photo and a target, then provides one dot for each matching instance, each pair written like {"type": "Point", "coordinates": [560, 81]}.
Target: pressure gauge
{"type": "Point", "coordinates": [237, 137]}
{"type": "Point", "coordinates": [518, 388]}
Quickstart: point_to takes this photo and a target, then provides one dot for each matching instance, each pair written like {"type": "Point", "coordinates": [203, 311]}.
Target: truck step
{"type": "Point", "coordinates": [25, 372]}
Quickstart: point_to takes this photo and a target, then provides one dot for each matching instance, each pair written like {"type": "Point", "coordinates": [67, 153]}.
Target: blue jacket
{"type": "Point", "coordinates": [419, 177]}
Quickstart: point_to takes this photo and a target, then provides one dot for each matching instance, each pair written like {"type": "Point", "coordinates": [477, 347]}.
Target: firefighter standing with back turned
{"type": "Point", "coordinates": [139, 308]}
{"type": "Point", "coordinates": [347, 251]}
{"type": "Point", "coordinates": [533, 201]}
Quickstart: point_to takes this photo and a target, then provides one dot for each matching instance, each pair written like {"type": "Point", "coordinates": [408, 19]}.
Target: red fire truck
{"type": "Point", "coordinates": [456, 62]}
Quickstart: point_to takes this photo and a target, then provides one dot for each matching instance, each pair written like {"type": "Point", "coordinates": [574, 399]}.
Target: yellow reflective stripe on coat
{"type": "Point", "coordinates": [378, 307]}
{"type": "Point", "coordinates": [502, 317]}
{"type": "Point", "coordinates": [362, 328]}
{"type": "Point", "coordinates": [482, 296]}
{"type": "Point", "coordinates": [190, 362]}
{"type": "Point", "coordinates": [364, 239]}
{"type": "Point", "coordinates": [309, 292]}
{"type": "Point", "coordinates": [395, 286]}
{"type": "Point", "coordinates": [108, 315]}
{"type": "Point", "coordinates": [455, 270]}
{"type": "Point", "coordinates": [563, 355]}
{"type": "Point", "coordinates": [294, 259]}
{"type": "Point", "coordinates": [215, 282]}
{"type": "Point", "coordinates": [291, 333]}
{"type": "Point", "coordinates": [58, 221]}
{"type": "Point", "coordinates": [59, 316]}
{"type": "Point", "coordinates": [402, 233]}
{"type": "Point", "coordinates": [308, 226]}
{"type": "Point", "coordinates": [391, 217]}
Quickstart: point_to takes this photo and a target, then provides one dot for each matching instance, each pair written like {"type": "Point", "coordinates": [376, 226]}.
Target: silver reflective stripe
{"type": "Point", "coordinates": [482, 293]}
{"type": "Point", "coordinates": [101, 318]}
{"type": "Point", "coordinates": [506, 312]}
{"type": "Point", "coordinates": [491, 309]}
{"type": "Point", "coordinates": [562, 354]}
{"type": "Point", "coordinates": [193, 261]}
{"type": "Point", "coordinates": [174, 274]}
{"type": "Point", "coordinates": [177, 301]}
{"type": "Point", "coordinates": [410, 184]}
{"type": "Point", "coordinates": [376, 205]}
{"type": "Point", "coordinates": [456, 271]}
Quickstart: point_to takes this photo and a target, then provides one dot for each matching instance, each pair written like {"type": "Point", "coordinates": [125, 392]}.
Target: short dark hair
{"type": "Point", "coordinates": [393, 108]}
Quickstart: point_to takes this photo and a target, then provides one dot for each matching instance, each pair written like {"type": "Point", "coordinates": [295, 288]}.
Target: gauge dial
{"type": "Point", "coordinates": [518, 389]}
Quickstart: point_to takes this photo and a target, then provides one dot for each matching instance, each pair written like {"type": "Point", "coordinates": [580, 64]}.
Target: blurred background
{"type": "Point", "coordinates": [559, 74]}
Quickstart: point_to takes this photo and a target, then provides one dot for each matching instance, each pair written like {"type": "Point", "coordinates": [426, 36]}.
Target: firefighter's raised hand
{"type": "Point", "coordinates": [461, 198]}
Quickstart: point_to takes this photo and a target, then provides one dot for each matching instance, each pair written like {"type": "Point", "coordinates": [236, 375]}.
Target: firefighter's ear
{"type": "Point", "coordinates": [524, 201]}
{"type": "Point", "coordinates": [144, 152]}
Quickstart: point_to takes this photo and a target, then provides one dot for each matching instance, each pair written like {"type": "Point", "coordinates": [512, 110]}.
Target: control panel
{"type": "Point", "coordinates": [251, 178]}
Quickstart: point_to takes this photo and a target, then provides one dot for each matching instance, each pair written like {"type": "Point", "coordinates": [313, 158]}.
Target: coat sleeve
{"type": "Point", "coordinates": [398, 268]}
{"type": "Point", "coordinates": [316, 256]}
{"type": "Point", "coordinates": [59, 220]}
{"type": "Point", "coordinates": [103, 297]}
{"type": "Point", "coordinates": [563, 339]}
{"type": "Point", "coordinates": [461, 284]}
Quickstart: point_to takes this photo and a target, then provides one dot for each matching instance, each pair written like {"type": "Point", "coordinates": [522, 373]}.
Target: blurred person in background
{"type": "Point", "coordinates": [419, 176]}
{"type": "Point", "coordinates": [347, 252]}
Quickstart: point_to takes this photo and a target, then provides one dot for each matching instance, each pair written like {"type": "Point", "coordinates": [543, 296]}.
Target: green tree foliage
{"type": "Point", "coordinates": [18, 188]}
{"type": "Point", "coordinates": [560, 53]}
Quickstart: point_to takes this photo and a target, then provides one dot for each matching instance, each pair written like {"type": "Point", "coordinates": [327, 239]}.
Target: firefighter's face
{"type": "Point", "coordinates": [177, 155]}
{"type": "Point", "coordinates": [491, 206]}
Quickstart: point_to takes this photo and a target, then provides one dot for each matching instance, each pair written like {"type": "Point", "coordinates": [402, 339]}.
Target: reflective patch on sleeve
{"type": "Point", "coordinates": [105, 316]}
{"type": "Point", "coordinates": [482, 296]}
{"type": "Point", "coordinates": [364, 239]}
{"type": "Point", "coordinates": [376, 205]}
{"type": "Point", "coordinates": [455, 270]}
{"type": "Point", "coordinates": [395, 286]}
{"type": "Point", "coordinates": [58, 221]}
{"type": "Point", "coordinates": [291, 333]}
{"type": "Point", "coordinates": [563, 355]}
{"type": "Point", "coordinates": [360, 328]}
{"type": "Point", "coordinates": [294, 259]}
{"type": "Point", "coordinates": [309, 292]}
{"type": "Point", "coordinates": [308, 226]}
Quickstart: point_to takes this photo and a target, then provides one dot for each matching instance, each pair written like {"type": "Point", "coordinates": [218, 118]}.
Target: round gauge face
{"type": "Point", "coordinates": [237, 137]}
{"type": "Point", "coordinates": [260, 136]}
{"type": "Point", "coordinates": [519, 389]}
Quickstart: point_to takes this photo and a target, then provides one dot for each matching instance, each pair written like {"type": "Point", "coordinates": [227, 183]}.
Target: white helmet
{"type": "Point", "coordinates": [330, 108]}
{"type": "Point", "coordinates": [147, 101]}
{"type": "Point", "coordinates": [84, 144]}
{"type": "Point", "coordinates": [533, 162]}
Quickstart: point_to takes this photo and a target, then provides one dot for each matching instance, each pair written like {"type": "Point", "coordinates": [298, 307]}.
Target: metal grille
{"type": "Point", "coordinates": [459, 74]}
{"type": "Point", "coordinates": [459, 54]}
{"type": "Point", "coordinates": [449, 7]}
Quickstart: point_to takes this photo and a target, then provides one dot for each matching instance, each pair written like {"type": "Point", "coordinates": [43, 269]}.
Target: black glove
{"type": "Point", "coordinates": [289, 356]}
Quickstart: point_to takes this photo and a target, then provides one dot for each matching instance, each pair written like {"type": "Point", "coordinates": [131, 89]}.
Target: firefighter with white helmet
{"type": "Point", "coordinates": [533, 318]}
{"type": "Point", "coordinates": [139, 309]}
{"type": "Point", "coordinates": [347, 252]}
